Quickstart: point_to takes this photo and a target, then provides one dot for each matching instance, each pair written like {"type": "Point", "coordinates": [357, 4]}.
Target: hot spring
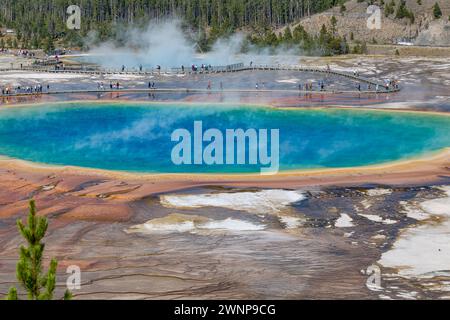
{"type": "Point", "coordinates": [137, 137]}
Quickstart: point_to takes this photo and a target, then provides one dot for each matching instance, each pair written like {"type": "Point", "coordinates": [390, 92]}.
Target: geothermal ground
{"type": "Point", "coordinates": [300, 236]}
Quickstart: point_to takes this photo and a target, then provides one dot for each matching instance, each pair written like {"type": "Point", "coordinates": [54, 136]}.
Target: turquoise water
{"type": "Point", "coordinates": [137, 137]}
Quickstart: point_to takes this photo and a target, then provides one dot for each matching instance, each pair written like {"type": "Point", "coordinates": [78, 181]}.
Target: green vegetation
{"type": "Point", "coordinates": [360, 48]}
{"type": "Point", "coordinates": [437, 12]}
{"type": "Point", "coordinates": [39, 286]}
{"type": "Point", "coordinates": [40, 24]}
{"type": "Point", "coordinates": [403, 12]}
{"type": "Point", "coordinates": [389, 8]}
{"type": "Point", "coordinates": [325, 43]}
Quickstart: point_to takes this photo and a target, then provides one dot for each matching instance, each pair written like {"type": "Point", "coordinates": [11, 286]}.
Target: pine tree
{"type": "Point", "coordinates": [39, 286]}
{"type": "Point", "coordinates": [437, 12]}
{"type": "Point", "coordinates": [287, 36]}
{"type": "Point", "coordinates": [49, 45]}
{"type": "Point", "coordinates": [333, 25]}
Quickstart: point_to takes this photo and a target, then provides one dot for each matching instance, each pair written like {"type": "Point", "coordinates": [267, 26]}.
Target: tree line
{"type": "Point", "coordinates": [326, 43]}
{"type": "Point", "coordinates": [37, 23]}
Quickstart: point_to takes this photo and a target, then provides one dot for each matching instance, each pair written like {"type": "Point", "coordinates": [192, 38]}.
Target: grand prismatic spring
{"type": "Point", "coordinates": [136, 137]}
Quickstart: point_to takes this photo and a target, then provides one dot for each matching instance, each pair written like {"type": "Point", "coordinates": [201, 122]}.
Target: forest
{"type": "Point", "coordinates": [39, 23]}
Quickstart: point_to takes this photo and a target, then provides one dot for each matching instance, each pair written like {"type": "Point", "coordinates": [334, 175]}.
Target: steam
{"type": "Point", "coordinates": [149, 128]}
{"type": "Point", "coordinates": [161, 43]}
{"type": "Point", "coordinates": [166, 44]}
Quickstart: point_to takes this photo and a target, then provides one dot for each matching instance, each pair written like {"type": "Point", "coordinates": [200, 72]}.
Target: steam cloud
{"type": "Point", "coordinates": [160, 43]}
{"type": "Point", "coordinates": [164, 43]}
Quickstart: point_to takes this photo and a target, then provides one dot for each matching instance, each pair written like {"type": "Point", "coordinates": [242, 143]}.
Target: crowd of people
{"type": "Point", "coordinates": [309, 86]}
{"type": "Point", "coordinates": [195, 68]}
{"type": "Point", "coordinates": [26, 54]}
{"type": "Point", "coordinates": [113, 86]}
{"type": "Point", "coordinates": [9, 90]}
{"type": "Point", "coordinates": [388, 85]}
{"type": "Point", "coordinates": [391, 84]}
{"type": "Point", "coordinates": [23, 53]}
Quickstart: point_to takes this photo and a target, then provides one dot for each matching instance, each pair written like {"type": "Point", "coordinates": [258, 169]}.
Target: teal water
{"type": "Point", "coordinates": [137, 137]}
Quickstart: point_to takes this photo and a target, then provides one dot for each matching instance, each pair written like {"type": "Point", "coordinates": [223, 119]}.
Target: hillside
{"type": "Point", "coordinates": [420, 27]}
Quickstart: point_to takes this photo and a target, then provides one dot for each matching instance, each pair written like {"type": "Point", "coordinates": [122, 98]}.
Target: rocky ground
{"type": "Point", "coordinates": [425, 30]}
{"type": "Point", "coordinates": [309, 243]}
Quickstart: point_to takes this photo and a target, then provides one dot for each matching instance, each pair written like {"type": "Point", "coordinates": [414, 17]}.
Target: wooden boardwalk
{"type": "Point", "coordinates": [206, 71]}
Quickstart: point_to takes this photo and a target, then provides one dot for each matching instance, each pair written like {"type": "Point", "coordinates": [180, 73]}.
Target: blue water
{"type": "Point", "coordinates": [137, 137]}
